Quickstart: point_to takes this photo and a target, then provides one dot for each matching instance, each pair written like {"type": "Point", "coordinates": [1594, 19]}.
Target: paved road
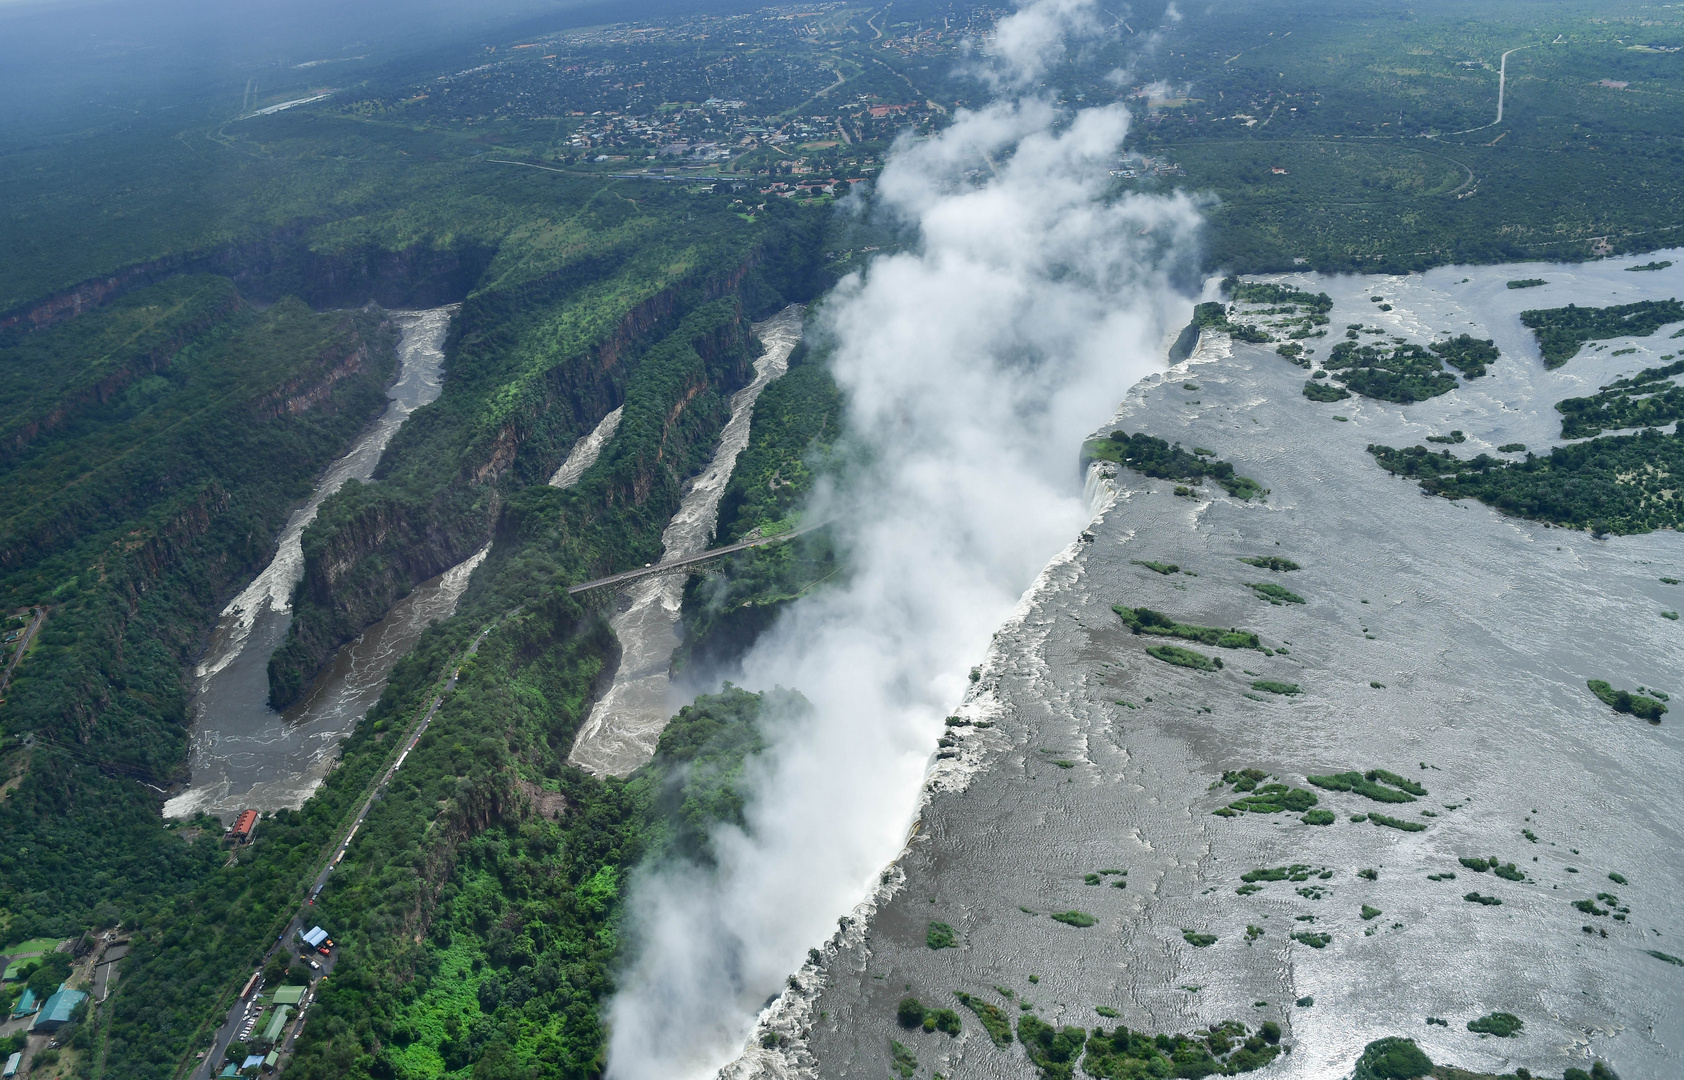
{"type": "Point", "coordinates": [242, 1010]}
{"type": "Point", "coordinates": [690, 560]}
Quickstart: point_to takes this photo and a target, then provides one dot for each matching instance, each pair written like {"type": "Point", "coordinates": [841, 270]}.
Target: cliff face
{"type": "Point", "coordinates": [20, 433]}
{"type": "Point", "coordinates": [372, 544]}
{"type": "Point", "coordinates": [283, 264]}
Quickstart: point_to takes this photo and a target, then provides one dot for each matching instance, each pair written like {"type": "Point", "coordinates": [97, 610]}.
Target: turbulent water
{"type": "Point", "coordinates": [624, 724]}
{"type": "Point", "coordinates": [1440, 640]}
{"type": "Point", "coordinates": [243, 752]}
{"type": "Point", "coordinates": [586, 451]}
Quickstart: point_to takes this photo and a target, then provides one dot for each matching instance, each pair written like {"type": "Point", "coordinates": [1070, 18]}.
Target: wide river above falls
{"type": "Point", "coordinates": [244, 753]}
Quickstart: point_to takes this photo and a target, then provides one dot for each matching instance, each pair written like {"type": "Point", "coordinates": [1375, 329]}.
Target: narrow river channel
{"type": "Point", "coordinates": [620, 733]}
{"type": "Point", "coordinates": [244, 753]}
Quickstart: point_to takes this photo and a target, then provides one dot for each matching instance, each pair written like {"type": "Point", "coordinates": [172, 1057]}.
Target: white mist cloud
{"type": "Point", "coordinates": [973, 367]}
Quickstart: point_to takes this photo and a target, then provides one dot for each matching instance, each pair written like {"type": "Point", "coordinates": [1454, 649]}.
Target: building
{"type": "Point", "coordinates": [26, 1004]}
{"type": "Point", "coordinates": [12, 1064]}
{"type": "Point", "coordinates": [278, 1018]}
{"type": "Point", "coordinates": [289, 995]}
{"type": "Point", "coordinates": [315, 937]}
{"type": "Point", "coordinates": [243, 825]}
{"type": "Point", "coordinates": [56, 1012]}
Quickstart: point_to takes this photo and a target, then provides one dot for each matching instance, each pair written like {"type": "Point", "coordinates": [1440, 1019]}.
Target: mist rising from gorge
{"type": "Point", "coordinates": [973, 365]}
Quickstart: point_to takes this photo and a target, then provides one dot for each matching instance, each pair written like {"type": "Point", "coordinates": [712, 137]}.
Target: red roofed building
{"type": "Point", "coordinates": [243, 824]}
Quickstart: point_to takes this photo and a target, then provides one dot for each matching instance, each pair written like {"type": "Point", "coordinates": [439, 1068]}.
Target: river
{"type": "Point", "coordinates": [1073, 850]}
{"type": "Point", "coordinates": [621, 731]}
{"type": "Point", "coordinates": [244, 753]}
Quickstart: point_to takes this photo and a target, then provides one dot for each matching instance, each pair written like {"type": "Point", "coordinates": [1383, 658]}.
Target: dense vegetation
{"type": "Point", "coordinates": [1467, 354]}
{"type": "Point", "coordinates": [1561, 332]}
{"type": "Point", "coordinates": [792, 443]}
{"type": "Point", "coordinates": [215, 387]}
{"type": "Point", "coordinates": [185, 426]}
{"type": "Point", "coordinates": [1625, 701]}
{"type": "Point", "coordinates": [1155, 457]}
{"type": "Point", "coordinates": [1402, 373]}
{"type": "Point", "coordinates": [534, 362]}
{"type": "Point", "coordinates": [1647, 399]}
{"type": "Point", "coordinates": [1614, 484]}
{"type": "Point", "coordinates": [491, 942]}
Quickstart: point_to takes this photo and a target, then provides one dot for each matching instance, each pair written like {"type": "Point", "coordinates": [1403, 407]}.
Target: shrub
{"type": "Point", "coordinates": [1318, 817]}
{"type": "Point", "coordinates": [1198, 941]}
{"type": "Point", "coordinates": [1392, 1059]}
{"type": "Point", "coordinates": [1501, 1024]}
{"type": "Point", "coordinates": [906, 1063]}
{"type": "Point", "coordinates": [1054, 1050]}
{"type": "Point", "coordinates": [994, 1019]}
{"type": "Point", "coordinates": [1180, 657]}
{"type": "Point", "coordinates": [1367, 786]}
{"type": "Point", "coordinates": [1488, 901]}
{"type": "Point", "coordinates": [1271, 562]}
{"type": "Point", "coordinates": [1313, 940]}
{"type": "Point", "coordinates": [945, 1021]}
{"type": "Point", "coordinates": [1319, 391]}
{"type": "Point", "coordinates": [910, 1012]}
{"type": "Point", "coordinates": [940, 936]}
{"type": "Point", "coordinates": [1626, 702]}
{"type": "Point", "coordinates": [1396, 823]}
{"type": "Point", "coordinates": [1073, 918]}
{"type": "Point", "coordinates": [1274, 593]}
{"type": "Point", "coordinates": [1272, 687]}
{"type": "Point", "coordinates": [1370, 912]}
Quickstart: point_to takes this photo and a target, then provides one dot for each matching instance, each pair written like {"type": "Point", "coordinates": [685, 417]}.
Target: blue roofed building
{"type": "Point", "coordinates": [55, 1013]}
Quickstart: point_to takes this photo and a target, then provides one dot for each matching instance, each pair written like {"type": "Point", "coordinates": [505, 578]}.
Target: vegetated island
{"type": "Point", "coordinates": [1527, 283]}
{"type": "Point", "coordinates": [1647, 399]}
{"type": "Point", "coordinates": [1395, 1058]}
{"type": "Point", "coordinates": [1618, 484]}
{"type": "Point", "coordinates": [1292, 311]}
{"type": "Point", "coordinates": [1660, 264]}
{"type": "Point", "coordinates": [1624, 701]}
{"type": "Point", "coordinates": [1157, 458]}
{"type": "Point", "coordinates": [1403, 374]}
{"type": "Point", "coordinates": [1562, 331]}
{"type": "Point", "coordinates": [1146, 621]}
{"type": "Point", "coordinates": [1223, 1048]}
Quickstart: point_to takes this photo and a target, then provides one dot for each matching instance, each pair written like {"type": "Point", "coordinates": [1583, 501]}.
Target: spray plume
{"type": "Point", "coordinates": [973, 366]}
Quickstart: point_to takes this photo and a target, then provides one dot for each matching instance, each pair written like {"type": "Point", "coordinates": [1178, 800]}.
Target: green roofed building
{"type": "Point", "coordinates": [56, 1012]}
{"type": "Point", "coordinates": [26, 1004]}
{"type": "Point", "coordinates": [277, 1023]}
{"type": "Point", "coordinates": [289, 995]}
